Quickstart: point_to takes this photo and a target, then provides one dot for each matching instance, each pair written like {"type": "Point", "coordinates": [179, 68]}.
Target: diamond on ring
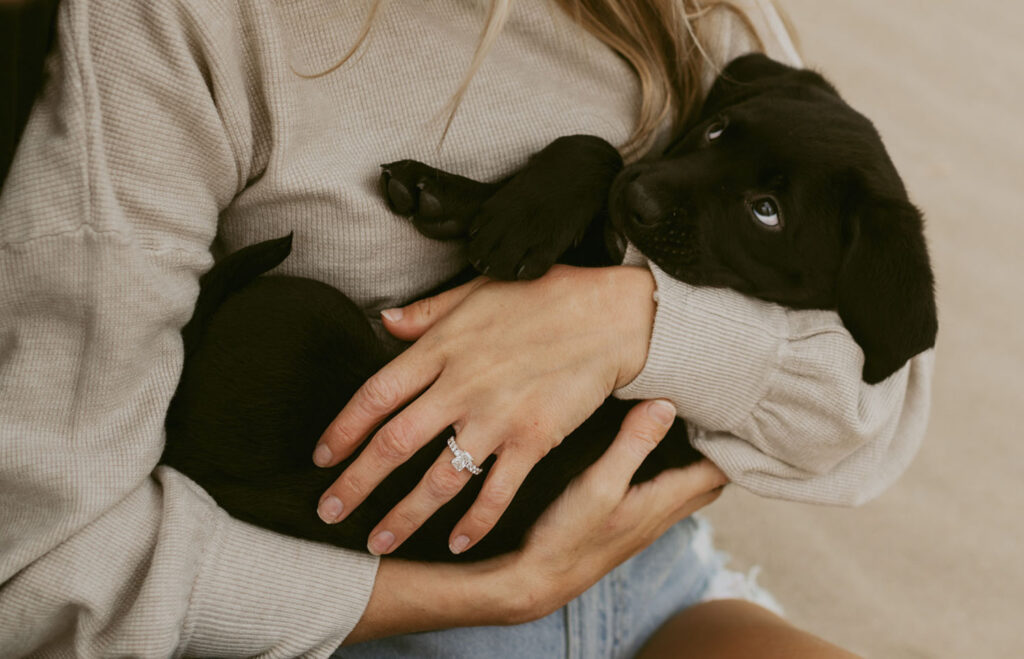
{"type": "Point", "coordinates": [462, 459]}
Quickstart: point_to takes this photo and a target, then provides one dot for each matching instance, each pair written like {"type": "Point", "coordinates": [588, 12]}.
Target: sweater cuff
{"type": "Point", "coordinates": [259, 592]}
{"type": "Point", "coordinates": [712, 352]}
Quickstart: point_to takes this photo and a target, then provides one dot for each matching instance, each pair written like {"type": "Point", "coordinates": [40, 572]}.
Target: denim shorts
{"type": "Point", "coordinates": [614, 618]}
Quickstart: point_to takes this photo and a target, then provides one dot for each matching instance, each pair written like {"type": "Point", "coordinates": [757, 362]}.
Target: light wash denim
{"type": "Point", "coordinates": [614, 618]}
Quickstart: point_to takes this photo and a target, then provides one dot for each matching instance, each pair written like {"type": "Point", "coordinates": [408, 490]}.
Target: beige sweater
{"type": "Point", "coordinates": [169, 123]}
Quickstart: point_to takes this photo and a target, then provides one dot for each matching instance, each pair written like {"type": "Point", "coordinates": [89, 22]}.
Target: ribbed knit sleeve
{"type": "Point", "coordinates": [774, 396]}
{"type": "Point", "coordinates": [140, 139]}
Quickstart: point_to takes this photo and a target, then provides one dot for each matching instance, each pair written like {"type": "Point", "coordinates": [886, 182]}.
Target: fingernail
{"type": "Point", "coordinates": [322, 456]}
{"type": "Point", "coordinates": [381, 542]}
{"type": "Point", "coordinates": [329, 509]}
{"type": "Point", "coordinates": [459, 544]}
{"type": "Point", "coordinates": [662, 411]}
{"type": "Point", "coordinates": [393, 315]}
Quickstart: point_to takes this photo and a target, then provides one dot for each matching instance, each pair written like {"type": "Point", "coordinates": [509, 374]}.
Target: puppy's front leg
{"type": "Point", "coordinates": [544, 209]}
{"type": "Point", "coordinates": [518, 227]}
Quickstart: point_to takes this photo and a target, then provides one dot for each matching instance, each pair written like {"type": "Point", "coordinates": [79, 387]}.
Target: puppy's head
{"type": "Point", "coordinates": [781, 191]}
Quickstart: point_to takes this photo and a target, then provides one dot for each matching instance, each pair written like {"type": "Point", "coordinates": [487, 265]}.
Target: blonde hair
{"type": "Point", "coordinates": [660, 39]}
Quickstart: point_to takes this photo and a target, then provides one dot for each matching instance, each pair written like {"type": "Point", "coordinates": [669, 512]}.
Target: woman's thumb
{"type": "Point", "coordinates": [413, 320]}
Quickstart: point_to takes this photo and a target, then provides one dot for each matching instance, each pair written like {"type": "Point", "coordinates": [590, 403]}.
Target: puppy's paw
{"type": "Point", "coordinates": [509, 243]}
{"type": "Point", "coordinates": [440, 204]}
{"type": "Point", "coordinates": [401, 183]}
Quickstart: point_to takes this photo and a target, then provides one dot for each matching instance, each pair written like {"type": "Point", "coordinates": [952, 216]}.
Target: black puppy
{"type": "Point", "coordinates": [780, 190]}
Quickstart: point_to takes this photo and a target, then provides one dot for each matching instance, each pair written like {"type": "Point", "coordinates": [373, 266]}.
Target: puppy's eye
{"type": "Point", "coordinates": [765, 211]}
{"type": "Point", "coordinates": [714, 131]}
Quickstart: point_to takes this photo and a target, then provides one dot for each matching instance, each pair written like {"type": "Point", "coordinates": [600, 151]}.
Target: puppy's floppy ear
{"type": "Point", "coordinates": [752, 74]}
{"type": "Point", "coordinates": [885, 291]}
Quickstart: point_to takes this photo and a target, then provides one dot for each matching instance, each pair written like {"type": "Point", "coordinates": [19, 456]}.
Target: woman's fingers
{"type": "Point", "coordinates": [393, 444]}
{"type": "Point", "coordinates": [695, 479]}
{"type": "Point", "coordinates": [440, 484]}
{"type": "Point", "coordinates": [642, 430]}
{"type": "Point", "coordinates": [437, 487]}
{"type": "Point", "coordinates": [411, 321]}
{"type": "Point", "coordinates": [392, 386]}
{"type": "Point", "coordinates": [677, 493]}
{"type": "Point", "coordinates": [503, 481]}
{"type": "Point", "coordinates": [593, 499]}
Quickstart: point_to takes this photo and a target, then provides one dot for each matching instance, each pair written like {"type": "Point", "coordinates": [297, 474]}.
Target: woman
{"type": "Point", "coordinates": [168, 125]}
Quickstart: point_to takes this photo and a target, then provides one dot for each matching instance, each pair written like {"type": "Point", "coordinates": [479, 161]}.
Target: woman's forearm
{"type": "Point", "coordinates": [413, 597]}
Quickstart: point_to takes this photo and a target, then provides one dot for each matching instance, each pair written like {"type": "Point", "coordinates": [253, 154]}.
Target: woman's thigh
{"type": "Point", "coordinates": [611, 619]}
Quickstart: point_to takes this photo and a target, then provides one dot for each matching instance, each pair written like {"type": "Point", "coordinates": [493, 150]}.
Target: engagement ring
{"type": "Point", "coordinates": [462, 459]}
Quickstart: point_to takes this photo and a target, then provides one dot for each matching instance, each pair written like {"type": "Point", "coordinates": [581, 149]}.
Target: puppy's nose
{"type": "Point", "coordinates": [645, 211]}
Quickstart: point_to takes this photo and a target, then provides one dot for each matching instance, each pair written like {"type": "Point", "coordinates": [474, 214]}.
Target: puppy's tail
{"type": "Point", "coordinates": [228, 275]}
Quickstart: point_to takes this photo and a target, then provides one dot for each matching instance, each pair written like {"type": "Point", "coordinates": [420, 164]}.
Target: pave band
{"type": "Point", "coordinates": [462, 459]}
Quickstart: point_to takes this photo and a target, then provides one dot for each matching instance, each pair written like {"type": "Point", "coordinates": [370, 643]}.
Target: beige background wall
{"type": "Point", "coordinates": [935, 567]}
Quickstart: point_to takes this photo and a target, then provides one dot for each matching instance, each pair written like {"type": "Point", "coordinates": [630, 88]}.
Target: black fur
{"type": "Point", "coordinates": [270, 360]}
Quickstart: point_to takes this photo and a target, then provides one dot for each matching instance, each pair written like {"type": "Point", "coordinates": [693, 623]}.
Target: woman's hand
{"type": "Point", "coordinates": [513, 367]}
{"type": "Point", "coordinates": [596, 524]}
